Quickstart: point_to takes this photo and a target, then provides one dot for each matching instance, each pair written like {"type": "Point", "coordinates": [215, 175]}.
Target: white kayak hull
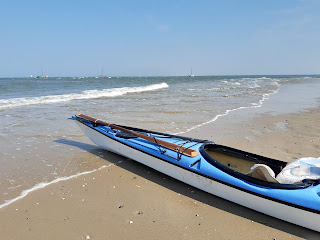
{"type": "Point", "coordinates": [258, 203]}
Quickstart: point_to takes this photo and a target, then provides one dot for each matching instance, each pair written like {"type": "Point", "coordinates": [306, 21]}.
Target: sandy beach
{"type": "Point", "coordinates": [242, 75]}
{"type": "Point", "coordinates": [126, 200]}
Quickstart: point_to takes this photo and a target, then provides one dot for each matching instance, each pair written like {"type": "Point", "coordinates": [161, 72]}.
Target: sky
{"type": "Point", "coordinates": [159, 38]}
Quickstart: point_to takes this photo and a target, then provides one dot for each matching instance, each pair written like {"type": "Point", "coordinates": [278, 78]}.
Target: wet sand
{"type": "Point", "coordinates": [127, 200]}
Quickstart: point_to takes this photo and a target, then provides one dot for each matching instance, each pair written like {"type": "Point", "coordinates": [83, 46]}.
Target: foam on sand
{"type": "Point", "coordinates": [44, 184]}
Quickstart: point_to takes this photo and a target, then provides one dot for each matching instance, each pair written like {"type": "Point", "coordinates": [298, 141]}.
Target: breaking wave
{"type": "Point", "coordinates": [88, 94]}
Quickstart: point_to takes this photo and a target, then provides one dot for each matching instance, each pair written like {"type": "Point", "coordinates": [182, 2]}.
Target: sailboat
{"type": "Point", "coordinates": [191, 75]}
{"type": "Point", "coordinates": [101, 76]}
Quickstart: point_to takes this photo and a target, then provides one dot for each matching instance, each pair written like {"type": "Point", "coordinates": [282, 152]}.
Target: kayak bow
{"type": "Point", "coordinates": [180, 149]}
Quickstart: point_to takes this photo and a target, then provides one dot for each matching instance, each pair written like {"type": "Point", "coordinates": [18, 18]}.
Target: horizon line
{"type": "Point", "coordinates": [141, 76]}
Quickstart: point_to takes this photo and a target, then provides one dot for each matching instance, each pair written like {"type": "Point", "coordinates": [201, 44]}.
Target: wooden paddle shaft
{"type": "Point", "coordinates": [183, 150]}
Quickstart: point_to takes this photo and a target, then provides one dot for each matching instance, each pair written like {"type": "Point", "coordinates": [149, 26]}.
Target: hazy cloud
{"type": "Point", "coordinates": [163, 28]}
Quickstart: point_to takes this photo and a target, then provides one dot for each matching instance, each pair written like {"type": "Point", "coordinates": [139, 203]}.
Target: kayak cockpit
{"type": "Point", "coordinates": [240, 164]}
{"type": "Point", "coordinates": [240, 161]}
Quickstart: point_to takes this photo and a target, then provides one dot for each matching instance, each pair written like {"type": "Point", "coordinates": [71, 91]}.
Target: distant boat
{"type": "Point", "coordinates": [191, 75]}
{"type": "Point", "coordinates": [102, 76]}
{"type": "Point", "coordinates": [41, 76]}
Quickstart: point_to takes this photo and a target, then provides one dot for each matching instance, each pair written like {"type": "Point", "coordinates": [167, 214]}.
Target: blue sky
{"type": "Point", "coordinates": [159, 38]}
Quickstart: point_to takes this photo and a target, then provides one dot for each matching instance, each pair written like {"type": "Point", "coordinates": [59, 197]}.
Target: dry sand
{"type": "Point", "coordinates": [127, 200]}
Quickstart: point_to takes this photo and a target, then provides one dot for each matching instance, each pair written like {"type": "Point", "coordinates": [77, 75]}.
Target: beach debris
{"type": "Point", "coordinates": [197, 215]}
{"type": "Point", "coordinates": [134, 178]}
{"type": "Point", "coordinates": [140, 213]}
{"type": "Point", "coordinates": [87, 237]}
{"type": "Point", "coordinates": [16, 209]}
{"type": "Point", "coordinates": [130, 222]}
{"type": "Point", "coordinates": [63, 198]}
{"type": "Point", "coordinates": [121, 206]}
{"type": "Point", "coordinates": [114, 186]}
{"type": "Point", "coordinates": [137, 186]}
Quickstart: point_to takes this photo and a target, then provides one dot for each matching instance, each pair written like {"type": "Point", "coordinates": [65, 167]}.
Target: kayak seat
{"type": "Point", "coordinates": [262, 172]}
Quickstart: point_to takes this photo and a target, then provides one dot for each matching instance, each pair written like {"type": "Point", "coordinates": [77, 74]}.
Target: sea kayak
{"type": "Point", "coordinates": [238, 176]}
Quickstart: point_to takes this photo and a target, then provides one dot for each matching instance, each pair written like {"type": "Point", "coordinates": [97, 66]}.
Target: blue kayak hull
{"type": "Point", "coordinates": [298, 204]}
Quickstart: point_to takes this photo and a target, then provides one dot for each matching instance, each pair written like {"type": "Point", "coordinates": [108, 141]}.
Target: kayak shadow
{"type": "Point", "coordinates": [192, 192]}
{"type": "Point", "coordinates": [83, 146]}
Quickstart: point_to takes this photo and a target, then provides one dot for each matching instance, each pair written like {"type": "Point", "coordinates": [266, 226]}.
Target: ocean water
{"type": "Point", "coordinates": [40, 145]}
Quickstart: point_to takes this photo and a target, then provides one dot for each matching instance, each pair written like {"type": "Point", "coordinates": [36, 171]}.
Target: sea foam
{"type": "Point", "coordinates": [44, 184]}
{"type": "Point", "coordinates": [253, 105]}
{"type": "Point", "coordinates": [88, 94]}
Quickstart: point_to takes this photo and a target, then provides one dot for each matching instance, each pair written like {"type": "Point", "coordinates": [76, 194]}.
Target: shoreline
{"type": "Point", "coordinates": [260, 132]}
{"type": "Point", "coordinates": [130, 200]}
